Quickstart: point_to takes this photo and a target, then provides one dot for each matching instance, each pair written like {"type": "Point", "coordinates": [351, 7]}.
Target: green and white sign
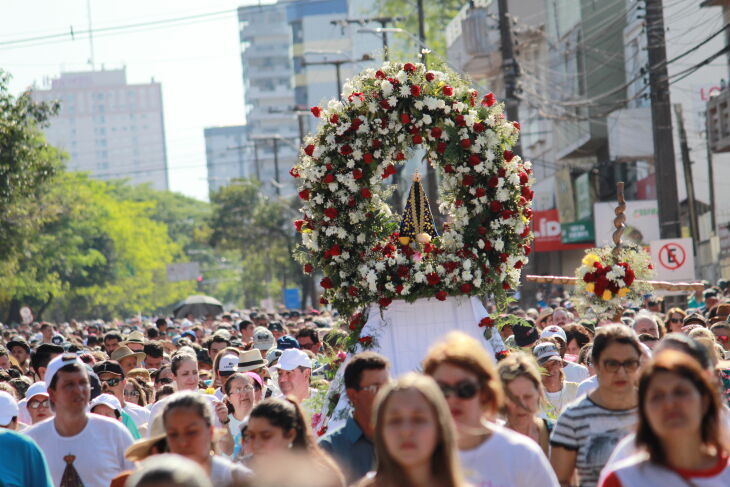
{"type": "Point", "coordinates": [577, 232]}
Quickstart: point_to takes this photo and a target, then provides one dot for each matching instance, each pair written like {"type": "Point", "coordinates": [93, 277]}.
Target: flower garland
{"type": "Point", "coordinates": [607, 281]}
{"type": "Point", "coordinates": [347, 228]}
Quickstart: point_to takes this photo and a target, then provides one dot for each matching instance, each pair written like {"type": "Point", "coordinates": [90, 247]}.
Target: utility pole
{"type": "Point", "coordinates": [711, 177]}
{"type": "Point", "coordinates": [664, 162]}
{"type": "Point", "coordinates": [689, 180]}
{"type": "Point", "coordinates": [383, 21]}
{"type": "Point", "coordinates": [510, 68]}
{"type": "Point", "coordinates": [337, 63]}
{"type": "Point", "coordinates": [422, 31]}
{"type": "Point", "coordinates": [276, 165]}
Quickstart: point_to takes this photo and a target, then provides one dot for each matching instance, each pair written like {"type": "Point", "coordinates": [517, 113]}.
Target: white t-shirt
{"type": "Point", "coordinates": [587, 386]}
{"type": "Point", "coordinates": [575, 372]}
{"type": "Point", "coordinates": [638, 471]}
{"type": "Point", "coordinates": [99, 449]}
{"type": "Point", "coordinates": [507, 459]}
{"type": "Point", "coordinates": [223, 472]}
{"type": "Point", "coordinates": [556, 402]}
{"type": "Point", "coordinates": [139, 414]}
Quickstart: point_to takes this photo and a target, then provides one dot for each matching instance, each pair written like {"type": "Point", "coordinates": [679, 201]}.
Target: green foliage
{"type": "Point", "coordinates": [437, 15]}
{"type": "Point", "coordinates": [259, 231]}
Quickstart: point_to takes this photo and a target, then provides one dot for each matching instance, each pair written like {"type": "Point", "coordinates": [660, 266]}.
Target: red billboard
{"type": "Point", "coordinates": [546, 227]}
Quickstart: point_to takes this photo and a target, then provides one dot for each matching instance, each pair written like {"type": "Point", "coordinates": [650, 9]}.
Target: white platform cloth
{"type": "Point", "coordinates": [405, 331]}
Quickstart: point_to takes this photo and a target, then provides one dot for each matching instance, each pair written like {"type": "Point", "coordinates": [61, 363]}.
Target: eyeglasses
{"type": "Point", "coordinates": [38, 404]}
{"type": "Point", "coordinates": [463, 390]}
{"type": "Point", "coordinates": [613, 365]}
{"type": "Point", "coordinates": [373, 389]}
{"type": "Point", "coordinates": [112, 382]}
{"type": "Point", "coordinates": [131, 393]}
{"type": "Point", "coordinates": [241, 390]}
{"type": "Point", "coordinates": [165, 381]}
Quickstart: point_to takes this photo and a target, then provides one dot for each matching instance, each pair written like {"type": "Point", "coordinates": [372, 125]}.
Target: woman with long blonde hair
{"type": "Point", "coordinates": [415, 445]}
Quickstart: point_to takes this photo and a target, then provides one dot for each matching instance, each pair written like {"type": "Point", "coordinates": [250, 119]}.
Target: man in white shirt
{"type": "Point", "coordinates": [80, 447]}
{"type": "Point", "coordinates": [295, 370]}
{"type": "Point", "coordinates": [112, 380]}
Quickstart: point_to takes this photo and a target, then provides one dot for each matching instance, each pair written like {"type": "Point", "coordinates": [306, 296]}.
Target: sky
{"type": "Point", "coordinates": [197, 62]}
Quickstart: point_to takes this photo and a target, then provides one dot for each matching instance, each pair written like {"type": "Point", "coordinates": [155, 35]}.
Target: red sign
{"type": "Point", "coordinates": [672, 256]}
{"type": "Point", "coordinates": [546, 227]}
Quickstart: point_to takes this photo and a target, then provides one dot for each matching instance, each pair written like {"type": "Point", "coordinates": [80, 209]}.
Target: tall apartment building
{"type": "Point", "coordinates": [229, 155]}
{"type": "Point", "coordinates": [110, 128]}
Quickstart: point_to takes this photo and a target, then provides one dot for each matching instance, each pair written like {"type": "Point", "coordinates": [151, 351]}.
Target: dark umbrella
{"type": "Point", "coordinates": [198, 306]}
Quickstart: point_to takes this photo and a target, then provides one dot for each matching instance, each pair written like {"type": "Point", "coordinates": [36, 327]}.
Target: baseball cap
{"type": "Point", "coordinates": [108, 367]}
{"type": "Point", "coordinates": [545, 352]}
{"type": "Point", "coordinates": [525, 335]}
{"type": "Point", "coordinates": [552, 331]}
{"type": "Point", "coordinates": [273, 355]}
{"type": "Point", "coordinates": [228, 364]}
{"type": "Point", "coordinates": [292, 358]}
{"type": "Point", "coordinates": [58, 363]}
{"type": "Point", "coordinates": [263, 339]}
{"type": "Point", "coordinates": [36, 389]}
{"type": "Point", "coordinates": [276, 326]}
{"type": "Point", "coordinates": [107, 400]}
{"type": "Point", "coordinates": [8, 408]}
{"type": "Point", "coordinates": [286, 342]}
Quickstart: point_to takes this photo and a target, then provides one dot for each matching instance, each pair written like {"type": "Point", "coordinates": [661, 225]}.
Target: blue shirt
{"type": "Point", "coordinates": [352, 451]}
{"type": "Point", "coordinates": [22, 463]}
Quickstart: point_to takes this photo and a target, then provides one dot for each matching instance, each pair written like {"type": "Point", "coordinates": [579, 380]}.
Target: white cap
{"type": "Point", "coordinates": [36, 389]}
{"type": "Point", "coordinates": [292, 358]}
{"type": "Point", "coordinates": [107, 400]}
{"type": "Point", "coordinates": [60, 362]}
{"type": "Point", "coordinates": [228, 363]}
{"type": "Point", "coordinates": [554, 330]}
{"type": "Point", "coordinates": [8, 408]}
{"type": "Point", "coordinates": [546, 351]}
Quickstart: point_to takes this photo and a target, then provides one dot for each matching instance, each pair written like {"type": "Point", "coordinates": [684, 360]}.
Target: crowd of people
{"type": "Point", "coordinates": [231, 401]}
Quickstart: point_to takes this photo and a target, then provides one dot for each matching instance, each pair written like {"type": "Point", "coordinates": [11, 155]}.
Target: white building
{"type": "Point", "coordinates": [229, 155]}
{"type": "Point", "coordinates": [111, 129]}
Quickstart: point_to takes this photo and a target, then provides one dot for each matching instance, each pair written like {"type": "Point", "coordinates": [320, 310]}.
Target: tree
{"type": "Point", "coordinates": [437, 15]}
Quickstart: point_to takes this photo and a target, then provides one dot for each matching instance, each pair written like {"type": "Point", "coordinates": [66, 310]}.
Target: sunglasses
{"type": "Point", "coordinates": [675, 320]}
{"type": "Point", "coordinates": [463, 390]}
{"type": "Point", "coordinates": [38, 404]}
{"type": "Point", "coordinates": [131, 393]}
{"type": "Point", "coordinates": [112, 382]}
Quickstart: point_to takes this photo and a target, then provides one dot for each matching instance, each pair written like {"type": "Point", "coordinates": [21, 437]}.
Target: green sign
{"type": "Point", "coordinates": [577, 232]}
{"type": "Point", "coordinates": [583, 197]}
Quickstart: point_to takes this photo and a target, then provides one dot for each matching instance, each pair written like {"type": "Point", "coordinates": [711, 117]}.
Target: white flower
{"type": "Point", "coordinates": [419, 277]}
{"type": "Point", "coordinates": [387, 87]}
{"type": "Point", "coordinates": [392, 101]}
{"type": "Point", "coordinates": [498, 244]}
{"type": "Point", "coordinates": [402, 76]}
{"type": "Point", "coordinates": [404, 91]}
{"type": "Point", "coordinates": [427, 119]}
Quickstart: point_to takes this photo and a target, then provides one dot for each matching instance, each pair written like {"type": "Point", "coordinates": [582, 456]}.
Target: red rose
{"type": "Point", "coordinates": [449, 169]}
{"type": "Point", "coordinates": [441, 295]}
{"type": "Point", "coordinates": [330, 212]}
{"type": "Point", "coordinates": [316, 111]}
{"type": "Point", "coordinates": [334, 251]}
{"type": "Point", "coordinates": [379, 74]}
{"type": "Point", "coordinates": [460, 122]}
{"type": "Point", "coordinates": [487, 245]}
{"type": "Point", "coordinates": [467, 180]}
{"type": "Point", "coordinates": [351, 202]}
{"type": "Point", "coordinates": [309, 150]}
{"type": "Point", "coordinates": [389, 171]}
{"type": "Point", "coordinates": [322, 300]}
{"type": "Point", "coordinates": [479, 127]}
{"type": "Point", "coordinates": [326, 283]}
{"type": "Point", "coordinates": [527, 249]}
{"type": "Point", "coordinates": [405, 118]}
{"type": "Point", "coordinates": [486, 322]}
{"type": "Point", "coordinates": [304, 194]}
{"type": "Point", "coordinates": [402, 271]}
{"type": "Point", "coordinates": [384, 104]}
{"type": "Point", "coordinates": [409, 68]}
{"type": "Point", "coordinates": [415, 90]}
{"type": "Point", "coordinates": [465, 143]}
{"type": "Point", "coordinates": [352, 291]}
{"type": "Point", "coordinates": [474, 159]}
{"type": "Point", "coordinates": [308, 268]}
{"type": "Point", "coordinates": [503, 257]}
{"type": "Point", "coordinates": [493, 182]}
{"type": "Point", "coordinates": [505, 286]}
{"type": "Point", "coordinates": [365, 193]}
{"type": "Point", "coordinates": [329, 178]}
{"type": "Point", "coordinates": [525, 232]}
{"type": "Point", "coordinates": [502, 172]}
{"type": "Point", "coordinates": [377, 144]}
{"type": "Point", "coordinates": [356, 173]}
{"type": "Point", "coordinates": [488, 99]}
{"type": "Point", "coordinates": [480, 192]}
{"type": "Point", "coordinates": [366, 340]}
{"type": "Point", "coordinates": [299, 224]}
{"type": "Point", "coordinates": [441, 147]}
{"type": "Point", "coordinates": [399, 288]}
{"type": "Point", "coordinates": [466, 288]}
{"type": "Point", "coordinates": [400, 156]}
{"type": "Point", "coordinates": [516, 125]}
{"type": "Point", "coordinates": [508, 155]}
{"type": "Point", "coordinates": [459, 203]}
{"type": "Point", "coordinates": [524, 178]}
{"type": "Point", "coordinates": [433, 279]}
{"type": "Point", "coordinates": [367, 158]}
{"type": "Point", "coordinates": [447, 90]}
{"type": "Point", "coordinates": [417, 139]}
{"type": "Point", "coordinates": [430, 76]}
{"type": "Point", "coordinates": [334, 119]}
{"type": "Point", "coordinates": [345, 150]}
{"type": "Point", "coordinates": [436, 132]}
{"type": "Point", "coordinates": [495, 206]}
{"type": "Point", "coordinates": [384, 302]}
{"type": "Point", "coordinates": [294, 172]}
{"type": "Point", "coordinates": [481, 230]}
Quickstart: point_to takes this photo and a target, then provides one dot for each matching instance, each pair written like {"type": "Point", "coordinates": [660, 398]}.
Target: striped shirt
{"type": "Point", "coordinates": [592, 432]}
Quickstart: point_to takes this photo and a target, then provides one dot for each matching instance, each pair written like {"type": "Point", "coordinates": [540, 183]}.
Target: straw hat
{"type": "Point", "coordinates": [143, 448]}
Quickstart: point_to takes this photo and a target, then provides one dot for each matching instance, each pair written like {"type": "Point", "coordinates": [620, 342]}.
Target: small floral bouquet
{"type": "Point", "coordinates": [609, 280]}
